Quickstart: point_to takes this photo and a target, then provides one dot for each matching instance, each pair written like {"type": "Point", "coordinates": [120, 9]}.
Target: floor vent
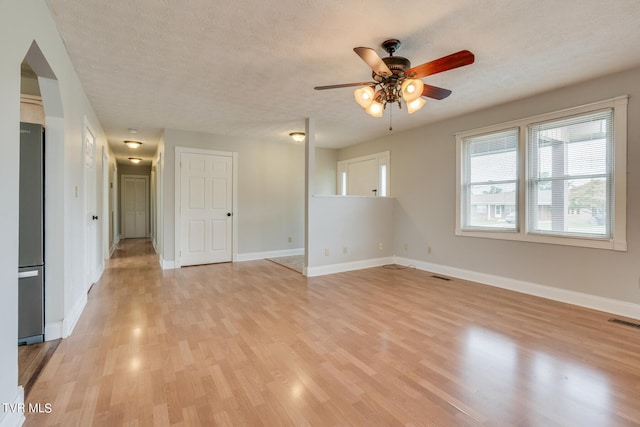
{"type": "Point", "coordinates": [624, 322]}
{"type": "Point", "coordinates": [441, 278]}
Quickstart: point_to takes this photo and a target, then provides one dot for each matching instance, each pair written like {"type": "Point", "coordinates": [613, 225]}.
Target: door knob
{"type": "Point", "coordinates": [228, 213]}
{"type": "Point", "coordinates": [95, 217]}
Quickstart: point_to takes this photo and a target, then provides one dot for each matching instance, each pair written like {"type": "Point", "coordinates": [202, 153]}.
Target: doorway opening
{"type": "Point", "coordinates": [41, 104]}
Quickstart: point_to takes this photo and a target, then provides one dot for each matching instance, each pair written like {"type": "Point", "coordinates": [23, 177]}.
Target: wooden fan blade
{"type": "Point", "coordinates": [373, 60]}
{"type": "Point", "coordinates": [435, 92]}
{"type": "Point", "coordinates": [344, 85]}
{"type": "Point", "coordinates": [455, 60]}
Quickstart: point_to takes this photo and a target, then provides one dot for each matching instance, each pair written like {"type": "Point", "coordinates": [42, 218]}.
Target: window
{"type": "Point", "coordinates": [490, 178]}
{"type": "Point", "coordinates": [556, 178]}
{"type": "Point", "coordinates": [570, 166]}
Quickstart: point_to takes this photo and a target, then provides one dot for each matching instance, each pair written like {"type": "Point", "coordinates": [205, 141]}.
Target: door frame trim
{"type": "Point", "coordinates": [123, 193]}
{"type": "Point", "coordinates": [178, 197]}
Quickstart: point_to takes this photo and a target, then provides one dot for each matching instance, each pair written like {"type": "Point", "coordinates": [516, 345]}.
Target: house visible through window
{"type": "Point", "coordinates": [572, 190]}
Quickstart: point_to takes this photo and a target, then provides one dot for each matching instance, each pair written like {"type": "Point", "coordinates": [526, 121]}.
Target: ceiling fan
{"type": "Point", "coordinates": [394, 79]}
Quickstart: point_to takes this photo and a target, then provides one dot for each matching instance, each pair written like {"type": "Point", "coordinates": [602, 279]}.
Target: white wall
{"type": "Point", "coordinates": [270, 191]}
{"type": "Point", "coordinates": [20, 24]}
{"type": "Point", "coordinates": [423, 177]}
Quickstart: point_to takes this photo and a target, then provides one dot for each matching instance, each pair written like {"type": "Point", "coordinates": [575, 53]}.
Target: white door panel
{"type": "Point", "coordinates": [206, 205]}
{"type": "Point", "coordinates": [135, 206]}
{"type": "Point", "coordinates": [363, 178]}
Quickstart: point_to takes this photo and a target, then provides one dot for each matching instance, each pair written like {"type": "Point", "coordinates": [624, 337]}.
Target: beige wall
{"type": "Point", "coordinates": [423, 176]}
{"type": "Point", "coordinates": [325, 171]}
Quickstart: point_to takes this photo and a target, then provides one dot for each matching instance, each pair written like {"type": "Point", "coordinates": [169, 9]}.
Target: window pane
{"type": "Point", "coordinates": [493, 157]}
{"type": "Point", "coordinates": [570, 175]}
{"type": "Point", "coordinates": [492, 206]}
{"type": "Point", "coordinates": [491, 174]}
{"type": "Point", "coordinates": [583, 212]}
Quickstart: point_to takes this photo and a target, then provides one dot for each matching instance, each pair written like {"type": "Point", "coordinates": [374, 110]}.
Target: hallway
{"type": "Point", "coordinates": [254, 343]}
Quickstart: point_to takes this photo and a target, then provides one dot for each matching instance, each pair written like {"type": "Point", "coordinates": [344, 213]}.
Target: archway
{"type": "Point", "coordinates": [48, 85]}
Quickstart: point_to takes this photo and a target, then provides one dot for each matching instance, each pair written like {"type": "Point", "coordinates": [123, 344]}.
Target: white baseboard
{"type": "Point", "coordinates": [347, 266]}
{"type": "Point", "coordinates": [12, 414]}
{"type": "Point", "coordinates": [52, 331]}
{"type": "Point", "coordinates": [253, 256]}
{"type": "Point", "coordinates": [167, 265]}
{"type": "Point", "coordinates": [71, 318]}
{"type": "Point", "coordinates": [621, 308]}
{"type": "Point", "coordinates": [99, 273]}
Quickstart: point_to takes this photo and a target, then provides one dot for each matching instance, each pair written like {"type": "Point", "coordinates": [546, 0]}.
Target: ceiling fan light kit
{"type": "Point", "coordinates": [364, 96]}
{"type": "Point", "coordinates": [375, 109]}
{"type": "Point", "coordinates": [397, 81]}
{"type": "Point", "coordinates": [412, 89]}
{"type": "Point", "coordinates": [415, 105]}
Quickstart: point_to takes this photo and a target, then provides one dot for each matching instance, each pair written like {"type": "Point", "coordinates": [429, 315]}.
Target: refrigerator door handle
{"type": "Point", "coordinates": [25, 274]}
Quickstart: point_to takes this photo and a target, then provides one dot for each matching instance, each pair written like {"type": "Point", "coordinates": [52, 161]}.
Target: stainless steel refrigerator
{"type": "Point", "coordinates": [31, 235]}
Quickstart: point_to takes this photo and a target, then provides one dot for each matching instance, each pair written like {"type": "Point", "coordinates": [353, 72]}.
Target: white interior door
{"type": "Point", "coordinates": [205, 208]}
{"type": "Point", "coordinates": [135, 202]}
{"type": "Point", "coordinates": [91, 250]}
{"type": "Point", "coordinates": [363, 178]}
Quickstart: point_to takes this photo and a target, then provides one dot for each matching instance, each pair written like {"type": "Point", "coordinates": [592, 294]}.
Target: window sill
{"type": "Point", "coordinates": [608, 244]}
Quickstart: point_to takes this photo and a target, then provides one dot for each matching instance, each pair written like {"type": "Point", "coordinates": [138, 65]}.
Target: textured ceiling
{"type": "Point", "coordinates": [248, 68]}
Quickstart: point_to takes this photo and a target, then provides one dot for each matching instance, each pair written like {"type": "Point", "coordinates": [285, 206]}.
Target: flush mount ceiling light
{"type": "Point", "coordinates": [297, 136]}
{"type": "Point", "coordinates": [135, 160]}
{"type": "Point", "coordinates": [133, 144]}
{"type": "Point", "coordinates": [395, 80]}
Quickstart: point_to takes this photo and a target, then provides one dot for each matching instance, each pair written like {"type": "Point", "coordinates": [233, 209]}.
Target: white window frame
{"type": "Point", "coordinates": [618, 240]}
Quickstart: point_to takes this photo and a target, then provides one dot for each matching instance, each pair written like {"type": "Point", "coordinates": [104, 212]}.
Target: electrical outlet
{"type": "Point", "coordinates": [326, 252]}
{"type": "Point", "coordinates": [406, 247]}
{"type": "Point", "coordinates": [290, 239]}
{"type": "Point", "coordinates": [344, 250]}
{"type": "Point", "coordinates": [380, 246]}
{"type": "Point", "coordinates": [428, 249]}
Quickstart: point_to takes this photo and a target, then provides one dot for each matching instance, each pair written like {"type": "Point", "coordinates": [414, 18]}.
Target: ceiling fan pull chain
{"type": "Point", "coordinates": [390, 116]}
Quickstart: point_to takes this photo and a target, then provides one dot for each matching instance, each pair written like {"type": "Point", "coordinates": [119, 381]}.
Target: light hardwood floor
{"type": "Point", "coordinates": [254, 344]}
{"type": "Point", "coordinates": [31, 361]}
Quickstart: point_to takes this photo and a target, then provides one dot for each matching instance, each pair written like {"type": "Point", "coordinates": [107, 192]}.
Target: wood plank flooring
{"type": "Point", "coordinates": [255, 344]}
{"type": "Point", "coordinates": [31, 361]}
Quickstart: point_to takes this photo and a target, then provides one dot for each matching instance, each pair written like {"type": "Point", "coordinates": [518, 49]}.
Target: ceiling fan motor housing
{"type": "Point", "coordinates": [397, 64]}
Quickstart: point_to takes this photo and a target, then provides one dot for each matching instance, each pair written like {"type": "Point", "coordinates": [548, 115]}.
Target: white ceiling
{"type": "Point", "coordinates": [248, 68]}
